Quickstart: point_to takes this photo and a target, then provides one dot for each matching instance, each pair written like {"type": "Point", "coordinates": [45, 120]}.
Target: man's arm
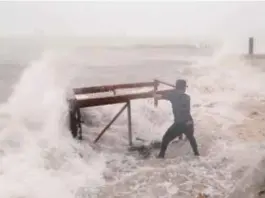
{"type": "Point", "coordinates": [164, 96]}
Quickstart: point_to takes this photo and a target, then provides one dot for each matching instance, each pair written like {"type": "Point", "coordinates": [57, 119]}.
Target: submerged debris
{"type": "Point", "coordinates": [202, 195]}
{"type": "Point", "coordinates": [145, 150]}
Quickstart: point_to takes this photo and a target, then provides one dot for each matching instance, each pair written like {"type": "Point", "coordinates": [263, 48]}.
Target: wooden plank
{"type": "Point", "coordinates": [108, 88]}
{"type": "Point", "coordinates": [90, 102]}
{"type": "Point", "coordinates": [156, 84]}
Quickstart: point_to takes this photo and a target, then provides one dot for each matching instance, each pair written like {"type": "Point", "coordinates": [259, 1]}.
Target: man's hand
{"type": "Point", "coordinates": [158, 96]}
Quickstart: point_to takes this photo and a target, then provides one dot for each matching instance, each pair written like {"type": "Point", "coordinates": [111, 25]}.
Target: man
{"type": "Point", "coordinates": [183, 122]}
{"type": "Point", "coordinates": [74, 119]}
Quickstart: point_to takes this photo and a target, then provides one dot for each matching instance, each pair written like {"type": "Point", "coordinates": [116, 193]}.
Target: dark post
{"type": "Point", "coordinates": [129, 122]}
{"type": "Point", "coordinates": [74, 115]}
{"type": "Point", "coordinates": [250, 46]}
{"type": "Point", "coordinates": [156, 83]}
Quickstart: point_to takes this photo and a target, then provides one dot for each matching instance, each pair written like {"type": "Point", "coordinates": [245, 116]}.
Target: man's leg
{"type": "Point", "coordinates": [170, 135]}
{"type": "Point", "coordinates": [189, 132]}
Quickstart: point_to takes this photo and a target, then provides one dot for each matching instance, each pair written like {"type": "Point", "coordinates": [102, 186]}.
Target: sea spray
{"type": "Point", "coordinates": [39, 158]}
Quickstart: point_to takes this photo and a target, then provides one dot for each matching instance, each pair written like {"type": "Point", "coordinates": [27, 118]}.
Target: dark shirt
{"type": "Point", "coordinates": [180, 105]}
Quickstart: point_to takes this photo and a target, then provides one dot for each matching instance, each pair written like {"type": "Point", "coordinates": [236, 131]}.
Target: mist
{"type": "Point", "coordinates": [49, 48]}
{"type": "Point", "coordinates": [32, 27]}
{"type": "Point", "coordinates": [132, 19]}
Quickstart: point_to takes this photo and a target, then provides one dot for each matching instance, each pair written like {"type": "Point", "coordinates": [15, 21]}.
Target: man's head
{"type": "Point", "coordinates": [181, 85]}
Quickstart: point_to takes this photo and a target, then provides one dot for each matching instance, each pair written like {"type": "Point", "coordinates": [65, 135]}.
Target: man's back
{"type": "Point", "coordinates": [180, 104]}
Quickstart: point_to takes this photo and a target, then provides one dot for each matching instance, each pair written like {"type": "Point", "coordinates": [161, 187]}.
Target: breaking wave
{"type": "Point", "coordinates": [39, 158]}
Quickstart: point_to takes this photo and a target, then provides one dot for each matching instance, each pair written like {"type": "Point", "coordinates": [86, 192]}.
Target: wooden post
{"type": "Point", "coordinates": [156, 83]}
{"type": "Point", "coordinates": [129, 122]}
{"type": "Point", "coordinates": [117, 115]}
{"type": "Point", "coordinates": [251, 46]}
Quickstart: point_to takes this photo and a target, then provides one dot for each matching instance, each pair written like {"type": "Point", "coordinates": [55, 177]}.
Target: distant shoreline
{"type": "Point", "coordinates": [109, 41]}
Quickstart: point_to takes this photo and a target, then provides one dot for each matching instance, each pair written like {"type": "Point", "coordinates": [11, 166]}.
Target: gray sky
{"type": "Point", "coordinates": [132, 19]}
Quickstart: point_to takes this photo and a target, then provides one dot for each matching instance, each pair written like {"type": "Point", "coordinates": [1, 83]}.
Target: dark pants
{"type": "Point", "coordinates": [176, 130]}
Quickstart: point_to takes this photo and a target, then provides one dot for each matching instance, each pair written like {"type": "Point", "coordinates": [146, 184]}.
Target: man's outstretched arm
{"type": "Point", "coordinates": [163, 96]}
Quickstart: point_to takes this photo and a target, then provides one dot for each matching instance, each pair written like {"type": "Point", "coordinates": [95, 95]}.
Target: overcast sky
{"type": "Point", "coordinates": [132, 19]}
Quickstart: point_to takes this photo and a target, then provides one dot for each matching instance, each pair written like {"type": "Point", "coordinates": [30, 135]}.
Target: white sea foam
{"type": "Point", "coordinates": [40, 159]}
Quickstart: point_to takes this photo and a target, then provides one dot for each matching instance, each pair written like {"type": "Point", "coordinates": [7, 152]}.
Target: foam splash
{"type": "Point", "coordinates": [218, 85]}
{"type": "Point", "coordinates": [40, 159]}
{"type": "Point", "coordinates": [38, 156]}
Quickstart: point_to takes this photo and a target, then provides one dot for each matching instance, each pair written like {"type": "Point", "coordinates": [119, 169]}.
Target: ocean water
{"type": "Point", "coordinates": [39, 159]}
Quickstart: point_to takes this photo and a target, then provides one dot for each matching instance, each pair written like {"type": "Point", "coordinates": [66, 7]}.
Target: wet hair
{"type": "Point", "coordinates": [181, 84]}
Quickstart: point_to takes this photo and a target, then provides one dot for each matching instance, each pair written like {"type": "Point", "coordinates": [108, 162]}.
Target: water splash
{"type": "Point", "coordinates": [38, 156]}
